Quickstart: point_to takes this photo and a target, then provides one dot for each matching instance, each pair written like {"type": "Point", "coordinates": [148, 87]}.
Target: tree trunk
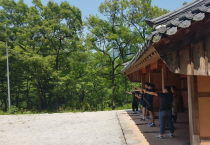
{"type": "Point", "coordinates": [4, 96]}
{"type": "Point", "coordinates": [113, 87]}
{"type": "Point", "coordinates": [102, 105]}
{"type": "Point", "coordinates": [57, 96]}
{"type": "Point", "coordinates": [17, 98]}
{"type": "Point", "coordinates": [49, 99]}
{"type": "Point", "coordinates": [5, 103]}
{"type": "Point", "coordinates": [38, 92]}
{"type": "Point", "coordinates": [45, 101]}
{"type": "Point", "coordinates": [126, 82]}
{"type": "Point", "coordinates": [113, 97]}
{"type": "Point", "coordinates": [39, 95]}
{"type": "Point", "coordinates": [27, 94]}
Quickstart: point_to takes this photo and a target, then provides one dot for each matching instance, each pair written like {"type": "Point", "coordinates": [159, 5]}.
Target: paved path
{"type": "Point", "coordinates": [132, 134]}
{"type": "Point", "coordinates": [89, 128]}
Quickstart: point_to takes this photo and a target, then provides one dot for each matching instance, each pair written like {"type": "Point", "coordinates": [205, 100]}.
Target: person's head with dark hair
{"type": "Point", "coordinates": [173, 88]}
{"type": "Point", "coordinates": [167, 89]}
{"type": "Point", "coordinates": [151, 87]}
{"type": "Point", "coordinates": [146, 84]}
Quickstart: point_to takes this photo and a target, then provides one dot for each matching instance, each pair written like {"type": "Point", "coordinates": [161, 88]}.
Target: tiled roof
{"type": "Point", "coordinates": [169, 24]}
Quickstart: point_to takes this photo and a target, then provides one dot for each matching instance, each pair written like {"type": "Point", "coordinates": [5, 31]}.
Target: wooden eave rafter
{"type": "Point", "coordinates": [150, 56]}
{"type": "Point", "coordinates": [167, 27]}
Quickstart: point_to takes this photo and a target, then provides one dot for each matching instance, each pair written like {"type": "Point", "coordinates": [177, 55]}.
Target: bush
{"type": "Point", "coordinates": [12, 110]}
{"type": "Point", "coordinates": [1, 112]}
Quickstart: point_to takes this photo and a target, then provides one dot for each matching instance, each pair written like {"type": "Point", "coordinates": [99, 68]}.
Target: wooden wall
{"type": "Point", "coordinates": [157, 81]}
{"type": "Point", "coordinates": [172, 80]}
{"type": "Point", "coordinates": [147, 77]}
{"type": "Point", "coordinates": [135, 76]}
{"type": "Point", "coordinates": [183, 89]}
{"type": "Point", "coordinates": [193, 59]}
{"type": "Point", "coordinates": [204, 105]}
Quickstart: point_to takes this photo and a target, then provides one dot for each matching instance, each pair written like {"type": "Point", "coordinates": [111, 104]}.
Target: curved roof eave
{"type": "Point", "coordinates": [200, 9]}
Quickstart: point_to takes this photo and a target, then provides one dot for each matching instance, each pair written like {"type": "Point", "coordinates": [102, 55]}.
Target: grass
{"type": "Point", "coordinates": [16, 111]}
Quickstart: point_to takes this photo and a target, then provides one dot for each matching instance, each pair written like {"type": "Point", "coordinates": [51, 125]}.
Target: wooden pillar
{"type": "Point", "coordinates": [142, 80]}
{"type": "Point", "coordinates": [151, 76]}
{"type": "Point", "coordinates": [139, 76]}
{"type": "Point", "coordinates": [164, 76]}
{"type": "Point", "coordinates": [193, 110]}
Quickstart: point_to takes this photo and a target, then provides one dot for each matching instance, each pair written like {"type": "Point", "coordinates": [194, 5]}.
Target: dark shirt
{"type": "Point", "coordinates": [140, 95]}
{"type": "Point", "coordinates": [166, 100]}
{"type": "Point", "coordinates": [150, 97]}
{"type": "Point", "coordinates": [145, 96]}
{"type": "Point", "coordinates": [135, 99]}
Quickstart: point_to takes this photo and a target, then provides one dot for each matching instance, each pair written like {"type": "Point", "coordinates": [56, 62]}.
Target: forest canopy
{"type": "Point", "coordinates": [57, 65]}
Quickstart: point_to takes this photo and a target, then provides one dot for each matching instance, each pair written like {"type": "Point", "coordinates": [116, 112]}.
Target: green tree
{"type": "Point", "coordinates": [184, 3]}
{"type": "Point", "coordinates": [54, 65]}
{"type": "Point", "coordinates": [41, 37]}
{"type": "Point", "coordinates": [124, 30]}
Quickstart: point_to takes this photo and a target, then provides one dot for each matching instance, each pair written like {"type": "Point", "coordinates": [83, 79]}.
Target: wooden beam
{"type": "Point", "coordinates": [198, 58]}
{"type": "Point", "coordinates": [144, 64]}
{"type": "Point", "coordinates": [204, 94]}
{"type": "Point", "coordinates": [173, 61]}
{"type": "Point", "coordinates": [151, 80]}
{"type": "Point", "coordinates": [191, 60]}
{"type": "Point", "coordinates": [159, 66]}
{"type": "Point", "coordinates": [207, 54]}
{"type": "Point", "coordinates": [139, 76]}
{"type": "Point", "coordinates": [185, 60]}
{"type": "Point", "coordinates": [154, 65]}
{"type": "Point", "coordinates": [142, 79]}
{"type": "Point", "coordinates": [193, 110]}
{"type": "Point", "coordinates": [149, 51]}
{"type": "Point", "coordinates": [144, 70]}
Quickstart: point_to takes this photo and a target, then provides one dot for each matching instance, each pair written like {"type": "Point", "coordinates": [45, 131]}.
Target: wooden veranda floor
{"type": "Point", "coordinates": [181, 135]}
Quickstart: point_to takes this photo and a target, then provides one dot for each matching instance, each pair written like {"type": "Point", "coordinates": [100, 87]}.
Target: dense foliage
{"type": "Point", "coordinates": [56, 65]}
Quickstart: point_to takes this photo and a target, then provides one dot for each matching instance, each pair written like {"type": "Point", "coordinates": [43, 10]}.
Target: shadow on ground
{"type": "Point", "coordinates": [181, 135]}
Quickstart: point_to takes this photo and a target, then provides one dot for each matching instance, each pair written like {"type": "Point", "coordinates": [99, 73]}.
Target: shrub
{"type": "Point", "coordinates": [12, 110]}
{"type": "Point", "coordinates": [1, 112]}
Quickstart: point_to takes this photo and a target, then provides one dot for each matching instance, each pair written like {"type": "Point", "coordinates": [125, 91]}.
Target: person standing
{"type": "Point", "coordinates": [140, 102]}
{"type": "Point", "coordinates": [143, 101]}
{"type": "Point", "coordinates": [174, 104]}
{"type": "Point", "coordinates": [134, 102]}
{"type": "Point", "coordinates": [139, 96]}
{"type": "Point", "coordinates": [165, 113]}
{"type": "Point", "coordinates": [151, 88]}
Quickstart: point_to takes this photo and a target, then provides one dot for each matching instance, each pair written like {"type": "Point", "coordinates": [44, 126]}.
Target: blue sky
{"type": "Point", "coordinates": [91, 6]}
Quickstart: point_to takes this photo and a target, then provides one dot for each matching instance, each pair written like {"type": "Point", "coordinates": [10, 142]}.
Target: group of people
{"type": "Point", "coordinates": [168, 105]}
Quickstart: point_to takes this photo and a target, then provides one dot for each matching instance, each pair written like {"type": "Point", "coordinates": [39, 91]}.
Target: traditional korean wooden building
{"type": "Point", "coordinates": [177, 53]}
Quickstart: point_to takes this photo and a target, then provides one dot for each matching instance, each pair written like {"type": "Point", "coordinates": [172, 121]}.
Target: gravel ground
{"type": "Point", "coordinates": [89, 128]}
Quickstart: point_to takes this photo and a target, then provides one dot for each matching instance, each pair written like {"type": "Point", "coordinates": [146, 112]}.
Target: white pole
{"type": "Point", "coordinates": [8, 76]}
